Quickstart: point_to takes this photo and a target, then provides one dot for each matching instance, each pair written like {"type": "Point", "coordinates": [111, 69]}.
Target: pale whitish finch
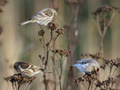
{"type": "Point", "coordinates": [86, 66]}
{"type": "Point", "coordinates": [43, 17]}
{"type": "Point", "coordinates": [28, 69]}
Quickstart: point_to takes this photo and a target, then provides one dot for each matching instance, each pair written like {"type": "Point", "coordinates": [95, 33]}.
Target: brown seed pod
{"type": "Point", "coordinates": [52, 26]}
{"type": "Point", "coordinates": [41, 33]}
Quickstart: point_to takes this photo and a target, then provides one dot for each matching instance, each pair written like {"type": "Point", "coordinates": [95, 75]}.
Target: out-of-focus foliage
{"type": "Point", "coordinates": [22, 43]}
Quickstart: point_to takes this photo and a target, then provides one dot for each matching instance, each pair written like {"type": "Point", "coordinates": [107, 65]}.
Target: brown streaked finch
{"type": "Point", "coordinates": [28, 69]}
{"type": "Point", "coordinates": [86, 66]}
{"type": "Point", "coordinates": [43, 17]}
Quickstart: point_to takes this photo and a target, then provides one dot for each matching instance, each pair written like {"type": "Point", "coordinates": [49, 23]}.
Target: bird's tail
{"type": "Point", "coordinates": [26, 22]}
{"type": "Point", "coordinates": [73, 65]}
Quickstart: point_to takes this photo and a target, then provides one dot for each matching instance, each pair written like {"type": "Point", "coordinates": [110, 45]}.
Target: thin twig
{"type": "Point", "coordinates": [114, 71]}
{"type": "Point", "coordinates": [74, 45]}
{"type": "Point", "coordinates": [47, 56]}
{"type": "Point", "coordinates": [89, 86]}
{"type": "Point", "coordinates": [60, 72]}
{"type": "Point", "coordinates": [54, 68]}
{"type": "Point", "coordinates": [53, 42]}
{"type": "Point", "coordinates": [105, 28]}
{"type": "Point", "coordinates": [110, 71]}
{"type": "Point", "coordinates": [43, 44]}
{"type": "Point", "coordinates": [98, 26]}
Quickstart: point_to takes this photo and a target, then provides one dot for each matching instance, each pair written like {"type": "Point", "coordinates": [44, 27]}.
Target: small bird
{"type": "Point", "coordinates": [43, 17]}
{"type": "Point", "coordinates": [86, 66]}
{"type": "Point", "coordinates": [28, 69]}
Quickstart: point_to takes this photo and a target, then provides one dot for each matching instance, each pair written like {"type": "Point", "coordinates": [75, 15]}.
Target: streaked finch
{"type": "Point", "coordinates": [43, 17]}
{"type": "Point", "coordinates": [28, 69]}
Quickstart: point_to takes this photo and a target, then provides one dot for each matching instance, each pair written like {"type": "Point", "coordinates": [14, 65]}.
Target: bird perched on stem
{"type": "Point", "coordinates": [86, 66]}
{"type": "Point", "coordinates": [43, 17]}
{"type": "Point", "coordinates": [28, 69]}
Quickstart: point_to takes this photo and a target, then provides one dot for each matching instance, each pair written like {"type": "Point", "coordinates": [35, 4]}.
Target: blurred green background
{"type": "Point", "coordinates": [21, 43]}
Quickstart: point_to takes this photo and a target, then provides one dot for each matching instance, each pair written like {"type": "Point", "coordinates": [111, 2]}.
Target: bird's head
{"type": "Point", "coordinates": [55, 12]}
{"type": "Point", "coordinates": [95, 68]}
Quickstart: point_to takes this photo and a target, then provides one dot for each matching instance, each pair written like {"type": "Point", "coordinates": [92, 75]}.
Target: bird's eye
{"type": "Point", "coordinates": [97, 69]}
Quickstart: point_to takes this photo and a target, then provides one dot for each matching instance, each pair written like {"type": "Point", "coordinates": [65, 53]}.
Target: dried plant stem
{"type": "Point", "coordinates": [105, 28]}
{"type": "Point", "coordinates": [60, 73]}
{"type": "Point", "coordinates": [44, 76]}
{"type": "Point", "coordinates": [53, 64]}
{"type": "Point", "coordinates": [110, 71]}
{"type": "Point", "coordinates": [53, 42]}
{"type": "Point", "coordinates": [43, 44]}
{"type": "Point", "coordinates": [14, 87]}
{"type": "Point", "coordinates": [28, 85]}
{"type": "Point", "coordinates": [104, 31]}
{"type": "Point", "coordinates": [47, 56]}
{"type": "Point", "coordinates": [55, 4]}
{"type": "Point", "coordinates": [95, 87]}
{"type": "Point", "coordinates": [45, 81]}
{"type": "Point", "coordinates": [101, 46]}
{"type": "Point", "coordinates": [53, 67]}
{"type": "Point", "coordinates": [47, 45]}
{"type": "Point", "coordinates": [77, 86]}
{"type": "Point", "coordinates": [89, 86]}
{"type": "Point", "coordinates": [114, 71]}
{"type": "Point", "coordinates": [98, 26]}
{"type": "Point", "coordinates": [74, 45]}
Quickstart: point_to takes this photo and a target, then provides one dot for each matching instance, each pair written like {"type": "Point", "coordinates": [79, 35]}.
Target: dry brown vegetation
{"type": "Point", "coordinates": [60, 47]}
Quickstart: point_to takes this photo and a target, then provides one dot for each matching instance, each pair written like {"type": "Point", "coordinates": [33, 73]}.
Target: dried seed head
{"type": "Point", "coordinates": [41, 33]}
{"type": "Point", "coordinates": [52, 26]}
{"type": "Point", "coordinates": [94, 56]}
{"type": "Point", "coordinates": [103, 66]}
{"type": "Point", "coordinates": [19, 79]}
{"type": "Point", "coordinates": [62, 52]}
{"type": "Point", "coordinates": [42, 58]}
{"type": "Point", "coordinates": [104, 8]}
{"type": "Point", "coordinates": [60, 31]}
{"type": "Point", "coordinates": [112, 62]}
{"type": "Point", "coordinates": [90, 77]}
{"type": "Point", "coordinates": [98, 84]}
{"type": "Point", "coordinates": [78, 79]}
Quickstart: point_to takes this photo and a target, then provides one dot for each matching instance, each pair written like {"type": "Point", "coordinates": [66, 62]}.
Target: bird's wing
{"type": "Point", "coordinates": [25, 65]}
{"type": "Point", "coordinates": [84, 61]}
{"type": "Point", "coordinates": [48, 12]}
{"type": "Point", "coordinates": [43, 14]}
{"type": "Point", "coordinates": [38, 15]}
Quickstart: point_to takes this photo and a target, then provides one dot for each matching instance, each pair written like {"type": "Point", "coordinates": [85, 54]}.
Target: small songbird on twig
{"type": "Point", "coordinates": [43, 17]}
{"type": "Point", "coordinates": [86, 66]}
{"type": "Point", "coordinates": [28, 69]}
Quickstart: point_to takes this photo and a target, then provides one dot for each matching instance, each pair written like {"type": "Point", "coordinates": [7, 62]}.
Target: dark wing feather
{"type": "Point", "coordinates": [23, 65]}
